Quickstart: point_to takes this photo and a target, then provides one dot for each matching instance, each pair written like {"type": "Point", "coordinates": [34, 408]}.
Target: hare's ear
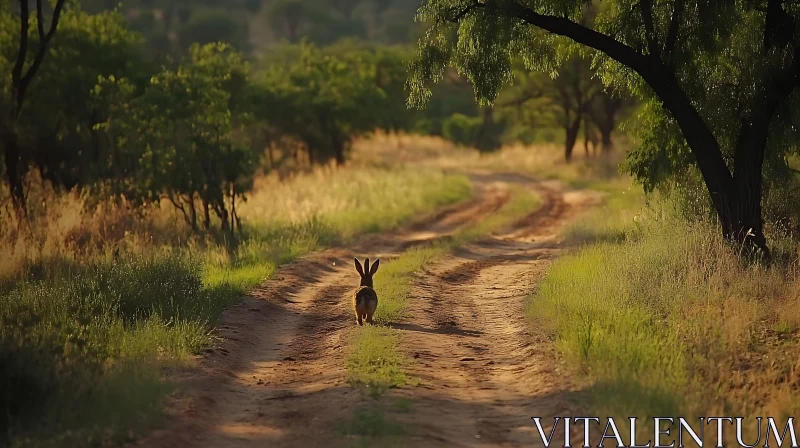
{"type": "Point", "coordinates": [366, 266]}
{"type": "Point", "coordinates": [374, 268]}
{"type": "Point", "coordinates": [358, 267]}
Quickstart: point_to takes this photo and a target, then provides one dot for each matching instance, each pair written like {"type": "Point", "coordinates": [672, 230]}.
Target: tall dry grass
{"type": "Point", "coordinates": [545, 161]}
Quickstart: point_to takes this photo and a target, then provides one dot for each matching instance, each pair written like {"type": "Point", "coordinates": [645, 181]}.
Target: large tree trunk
{"type": "Point", "coordinates": [572, 137]}
{"type": "Point", "coordinates": [605, 139]}
{"type": "Point", "coordinates": [206, 215]}
{"type": "Point", "coordinates": [338, 144]}
{"type": "Point", "coordinates": [192, 212]}
{"type": "Point", "coordinates": [14, 171]}
{"type": "Point", "coordinates": [736, 198]}
{"type": "Point", "coordinates": [482, 137]}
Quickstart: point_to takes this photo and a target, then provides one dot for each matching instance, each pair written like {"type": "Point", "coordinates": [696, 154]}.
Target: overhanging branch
{"type": "Point", "coordinates": [457, 18]}
{"type": "Point", "coordinates": [660, 78]}
{"type": "Point", "coordinates": [587, 36]}
{"type": "Point", "coordinates": [40, 20]}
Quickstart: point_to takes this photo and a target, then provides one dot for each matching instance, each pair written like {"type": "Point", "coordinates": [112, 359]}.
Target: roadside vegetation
{"type": "Point", "coordinates": [83, 323]}
{"type": "Point", "coordinates": [657, 314]}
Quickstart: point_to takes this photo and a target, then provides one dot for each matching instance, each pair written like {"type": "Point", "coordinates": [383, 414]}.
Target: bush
{"type": "Point", "coordinates": [462, 129]}
{"type": "Point", "coordinates": [59, 336]}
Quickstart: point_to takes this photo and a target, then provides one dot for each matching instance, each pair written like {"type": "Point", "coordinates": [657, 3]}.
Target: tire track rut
{"type": "Point", "coordinates": [484, 370]}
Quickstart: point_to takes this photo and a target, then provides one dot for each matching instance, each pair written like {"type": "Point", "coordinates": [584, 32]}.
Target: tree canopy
{"type": "Point", "coordinates": [717, 78]}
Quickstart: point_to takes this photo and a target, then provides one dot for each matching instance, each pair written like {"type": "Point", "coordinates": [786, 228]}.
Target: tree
{"type": "Point", "coordinates": [719, 76]}
{"type": "Point", "coordinates": [573, 92]}
{"type": "Point", "coordinates": [287, 17]}
{"type": "Point", "coordinates": [57, 125]}
{"type": "Point", "coordinates": [525, 104]}
{"type": "Point", "coordinates": [21, 79]}
{"type": "Point", "coordinates": [323, 101]}
{"type": "Point", "coordinates": [206, 25]}
{"type": "Point", "coordinates": [604, 114]}
{"type": "Point", "coordinates": [185, 134]}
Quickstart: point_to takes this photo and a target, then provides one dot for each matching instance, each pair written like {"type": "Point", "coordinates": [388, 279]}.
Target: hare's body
{"type": "Point", "coordinates": [365, 299]}
{"type": "Point", "coordinates": [365, 302]}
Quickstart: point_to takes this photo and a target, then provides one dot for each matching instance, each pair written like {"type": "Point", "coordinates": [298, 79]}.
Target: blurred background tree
{"type": "Point", "coordinates": [168, 84]}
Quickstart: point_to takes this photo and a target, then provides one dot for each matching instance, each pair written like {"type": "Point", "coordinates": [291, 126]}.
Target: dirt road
{"type": "Point", "coordinates": [278, 377]}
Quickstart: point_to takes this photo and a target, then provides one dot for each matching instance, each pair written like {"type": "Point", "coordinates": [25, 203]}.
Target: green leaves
{"type": "Point", "coordinates": [715, 50]}
{"type": "Point", "coordinates": [323, 101]}
{"type": "Point", "coordinates": [182, 135]}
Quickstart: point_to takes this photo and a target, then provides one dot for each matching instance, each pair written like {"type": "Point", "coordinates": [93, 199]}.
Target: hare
{"type": "Point", "coordinates": [365, 300]}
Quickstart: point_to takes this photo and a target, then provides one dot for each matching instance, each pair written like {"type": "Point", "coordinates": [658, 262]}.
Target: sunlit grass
{"type": "Point", "coordinates": [545, 161]}
{"type": "Point", "coordinates": [615, 219]}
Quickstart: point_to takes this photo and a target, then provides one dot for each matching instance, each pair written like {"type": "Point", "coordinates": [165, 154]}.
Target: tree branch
{"type": "Point", "coordinates": [586, 36]}
{"type": "Point", "coordinates": [672, 33]}
{"type": "Point", "coordinates": [778, 26]}
{"type": "Point", "coordinates": [41, 52]}
{"type": "Point", "coordinates": [40, 20]}
{"type": "Point", "coordinates": [465, 11]}
{"type": "Point", "coordinates": [16, 71]}
{"type": "Point", "coordinates": [646, 9]}
{"type": "Point", "coordinates": [518, 102]}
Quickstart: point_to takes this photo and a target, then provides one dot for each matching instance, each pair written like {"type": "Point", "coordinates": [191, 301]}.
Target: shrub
{"type": "Point", "coordinates": [462, 129]}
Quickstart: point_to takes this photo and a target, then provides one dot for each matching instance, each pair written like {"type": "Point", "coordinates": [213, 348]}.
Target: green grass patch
{"type": "Point", "coordinates": [667, 320]}
{"type": "Point", "coordinates": [371, 426]}
{"type": "Point", "coordinates": [373, 360]}
{"type": "Point", "coordinates": [615, 220]}
{"type": "Point", "coordinates": [396, 277]}
{"type": "Point", "coordinates": [98, 331]}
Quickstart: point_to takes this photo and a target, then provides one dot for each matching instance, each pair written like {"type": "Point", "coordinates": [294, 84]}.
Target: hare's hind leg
{"type": "Point", "coordinates": [358, 317]}
{"type": "Point", "coordinates": [369, 316]}
{"type": "Point", "coordinates": [371, 311]}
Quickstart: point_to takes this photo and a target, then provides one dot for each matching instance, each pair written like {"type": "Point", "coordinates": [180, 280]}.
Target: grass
{"type": "Point", "coordinates": [79, 325]}
{"type": "Point", "coordinates": [543, 161]}
{"type": "Point", "coordinates": [371, 425]}
{"type": "Point", "coordinates": [661, 317]}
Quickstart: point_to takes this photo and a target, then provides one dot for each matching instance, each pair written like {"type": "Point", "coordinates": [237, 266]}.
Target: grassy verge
{"type": "Point", "coordinates": [661, 317]}
{"type": "Point", "coordinates": [86, 327]}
